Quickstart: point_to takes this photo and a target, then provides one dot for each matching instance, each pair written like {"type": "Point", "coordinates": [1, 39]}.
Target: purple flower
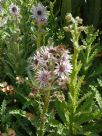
{"type": "Point", "coordinates": [63, 69]}
{"type": "Point", "coordinates": [51, 63]}
{"type": "Point", "coordinates": [41, 58]}
{"type": "Point", "coordinates": [40, 14]}
{"type": "Point", "coordinates": [14, 10]}
{"type": "Point", "coordinates": [43, 77]}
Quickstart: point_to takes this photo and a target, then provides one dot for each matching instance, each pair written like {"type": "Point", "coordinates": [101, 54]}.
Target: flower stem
{"type": "Point", "coordinates": [42, 129]}
{"type": "Point", "coordinates": [73, 81]}
{"type": "Point", "coordinates": [73, 91]}
{"type": "Point", "coordinates": [39, 36]}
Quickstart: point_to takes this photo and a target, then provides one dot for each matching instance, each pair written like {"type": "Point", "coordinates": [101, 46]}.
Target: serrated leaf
{"type": "Point", "coordinates": [18, 112]}
{"type": "Point", "coordinates": [62, 110]}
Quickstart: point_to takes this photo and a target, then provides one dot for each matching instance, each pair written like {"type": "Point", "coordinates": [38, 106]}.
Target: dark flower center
{"type": "Point", "coordinates": [62, 68]}
{"type": "Point", "coordinates": [34, 90]}
{"type": "Point", "coordinates": [52, 51]}
{"type": "Point", "coordinates": [14, 9]}
{"type": "Point", "coordinates": [44, 77]}
{"type": "Point", "coordinates": [36, 61]}
{"type": "Point", "coordinates": [45, 57]}
{"type": "Point", "coordinates": [39, 12]}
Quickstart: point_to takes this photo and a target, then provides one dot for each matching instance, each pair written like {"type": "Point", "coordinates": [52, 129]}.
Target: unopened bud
{"type": "Point", "coordinates": [69, 17]}
{"type": "Point", "coordinates": [65, 28]}
{"type": "Point", "coordinates": [79, 20]}
{"type": "Point", "coordinates": [81, 28]}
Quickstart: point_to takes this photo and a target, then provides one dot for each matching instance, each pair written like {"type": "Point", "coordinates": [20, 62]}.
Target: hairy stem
{"type": "Point", "coordinates": [45, 110]}
{"type": "Point", "coordinates": [39, 36]}
{"type": "Point", "coordinates": [73, 80]}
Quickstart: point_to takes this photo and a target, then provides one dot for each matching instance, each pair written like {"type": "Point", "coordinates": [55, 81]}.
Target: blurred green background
{"type": "Point", "coordinates": [89, 10]}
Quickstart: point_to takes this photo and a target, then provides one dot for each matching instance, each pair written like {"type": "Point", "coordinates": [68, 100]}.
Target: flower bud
{"type": "Point", "coordinates": [79, 20]}
{"type": "Point", "coordinates": [82, 28]}
{"type": "Point", "coordinates": [69, 17]}
{"type": "Point", "coordinates": [66, 28]}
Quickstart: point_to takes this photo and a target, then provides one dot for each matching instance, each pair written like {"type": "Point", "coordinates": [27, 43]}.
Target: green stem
{"type": "Point", "coordinates": [39, 36]}
{"type": "Point", "coordinates": [42, 130]}
{"type": "Point", "coordinates": [86, 66]}
{"type": "Point", "coordinates": [73, 82]}
{"type": "Point", "coordinates": [74, 62]}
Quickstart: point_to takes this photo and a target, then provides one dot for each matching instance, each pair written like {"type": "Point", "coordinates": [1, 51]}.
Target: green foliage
{"type": "Point", "coordinates": [93, 9]}
{"type": "Point", "coordinates": [79, 110]}
{"type": "Point", "coordinates": [91, 49]}
{"type": "Point", "coordinates": [72, 111]}
{"type": "Point", "coordinates": [89, 10]}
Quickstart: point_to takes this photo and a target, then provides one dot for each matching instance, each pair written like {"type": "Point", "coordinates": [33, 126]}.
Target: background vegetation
{"type": "Point", "coordinates": [72, 111]}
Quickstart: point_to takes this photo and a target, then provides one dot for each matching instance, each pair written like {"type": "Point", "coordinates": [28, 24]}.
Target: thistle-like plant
{"type": "Point", "coordinates": [51, 67]}
{"type": "Point", "coordinates": [78, 114]}
{"type": "Point", "coordinates": [92, 48]}
{"type": "Point", "coordinates": [55, 98]}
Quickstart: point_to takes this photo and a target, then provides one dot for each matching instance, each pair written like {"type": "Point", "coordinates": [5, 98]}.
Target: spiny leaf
{"type": "Point", "coordinates": [62, 110]}
{"type": "Point", "coordinates": [98, 97]}
{"type": "Point", "coordinates": [18, 112]}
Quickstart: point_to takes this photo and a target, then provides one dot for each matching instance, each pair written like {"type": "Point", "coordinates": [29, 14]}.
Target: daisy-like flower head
{"type": "Point", "coordinates": [51, 63]}
{"type": "Point", "coordinates": [41, 57]}
{"type": "Point", "coordinates": [58, 52]}
{"type": "Point", "coordinates": [39, 13]}
{"type": "Point", "coordinates": [14, 10]}
{"type": "Point", "coordinates": [63, 82]}
{"type": "Point", "coordinates": [36, 60]}
{"type": "Point", "coordinates": [65, 56]}
{"type": "Point", "coordinates": [60, 48]}
{"type": "Point", "coordinates": [43, 77]}
{"type": "Point", "coordinates": [44, 52]}
{"type": "Point", "coordinates": [63, 69]}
